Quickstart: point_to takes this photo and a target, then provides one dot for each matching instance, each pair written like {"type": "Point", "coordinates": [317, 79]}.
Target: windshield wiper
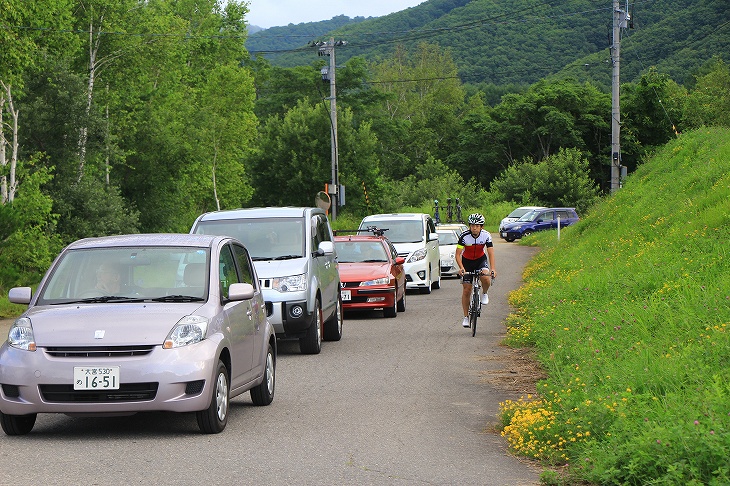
{"type": "Point", "coordinates": [102, 300]}
{"type": "Point", "coordinates": [287, 257]}
{"type": "Point", "coordinates": [178, 298]}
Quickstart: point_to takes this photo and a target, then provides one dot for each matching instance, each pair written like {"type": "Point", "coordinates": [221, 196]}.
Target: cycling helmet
{"type": "Point", "coordinates": [476, 218]}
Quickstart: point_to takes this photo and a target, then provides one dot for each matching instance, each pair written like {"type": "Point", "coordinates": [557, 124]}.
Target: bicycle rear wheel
{"type": "Point", "coordinates": [474, 311]}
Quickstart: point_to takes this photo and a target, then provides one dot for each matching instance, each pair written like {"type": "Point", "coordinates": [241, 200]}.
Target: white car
{"type": "Point", "coordinates": [414, 237]}
{"type": "Point", "coordinates": [448, 238]}
{"type": "Point", "coordinates": [516, 214]}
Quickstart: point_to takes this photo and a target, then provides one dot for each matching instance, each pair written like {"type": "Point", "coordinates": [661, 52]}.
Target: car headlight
{"type": "Point", "coordinates": [519, 226]}
{"type": "Point", "coordinates": [377, 281]}
{"type": "Point", "coordinates": [294, 283]}
{"type": "Point", "coordinates": [188, 330]}
{"type": "Point", "coordinates": [20, 335]}
{"type": "Point", "coordinates": [417, 255]}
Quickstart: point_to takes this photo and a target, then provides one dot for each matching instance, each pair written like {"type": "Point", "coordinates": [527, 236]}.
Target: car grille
{"type": "Point", "coordinates": [98, 352]}
{"type": "Point", "coordinates": [349, 285]}
{"type": "Point", "coordinates": [130, 392]}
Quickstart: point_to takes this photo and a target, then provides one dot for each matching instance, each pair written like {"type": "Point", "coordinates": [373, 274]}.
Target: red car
{"type": "Point", "coordinates": [371, 274]}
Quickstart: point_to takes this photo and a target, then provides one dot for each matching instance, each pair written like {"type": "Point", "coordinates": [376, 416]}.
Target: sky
{"type": "Point", "coordinates": [276, 13]}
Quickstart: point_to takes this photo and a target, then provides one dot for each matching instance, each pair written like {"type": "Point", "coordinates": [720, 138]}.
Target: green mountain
{"type": "Point", "coordinates": [522, 41]}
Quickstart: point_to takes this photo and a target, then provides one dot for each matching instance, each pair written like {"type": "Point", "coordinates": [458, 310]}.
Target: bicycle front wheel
{"type": "Point", "coordinates": [474, 311]}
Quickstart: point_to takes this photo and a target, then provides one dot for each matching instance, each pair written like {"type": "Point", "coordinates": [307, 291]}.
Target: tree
{"type": "Point", "coordinates": [421, 100]}
{"type": "Point", "coordinates": [559, 179]}
{"type": "Point", "coordinates": [709, 101]}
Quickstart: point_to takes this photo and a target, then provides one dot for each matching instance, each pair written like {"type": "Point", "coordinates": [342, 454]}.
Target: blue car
{"type": "Point", "coordinates": [538, 220]}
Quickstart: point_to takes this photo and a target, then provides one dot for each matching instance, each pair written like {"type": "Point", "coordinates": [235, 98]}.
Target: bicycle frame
{"type": "Point", "coordinates": [475, 306]}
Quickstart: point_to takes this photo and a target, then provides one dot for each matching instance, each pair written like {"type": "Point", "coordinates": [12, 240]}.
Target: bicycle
{"type": "Point", "coordinates": [475, 306]}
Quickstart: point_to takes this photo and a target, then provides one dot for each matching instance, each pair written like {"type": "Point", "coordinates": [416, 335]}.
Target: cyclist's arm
{"type": "Point", "coordinates": [492, 263]}
{"type": "Point", "coordinates": [457, 257]}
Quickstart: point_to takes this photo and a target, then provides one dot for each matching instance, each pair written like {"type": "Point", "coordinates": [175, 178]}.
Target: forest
{"type": "Point", "coordinates": [125, 116]}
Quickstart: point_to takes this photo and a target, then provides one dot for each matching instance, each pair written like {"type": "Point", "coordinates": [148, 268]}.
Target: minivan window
{"type": "Point", "coordinates": [265, 239]}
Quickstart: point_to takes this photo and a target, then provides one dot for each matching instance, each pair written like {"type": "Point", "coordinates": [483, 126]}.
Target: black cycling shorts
{"type": "Point", "coordinates": [471, 265]}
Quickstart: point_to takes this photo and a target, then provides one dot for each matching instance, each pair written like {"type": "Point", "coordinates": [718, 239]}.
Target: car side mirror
{"type": "Point", "coordinates": [20, 295]}
{"type": "Point", "coordinates": [240, 291]}
{"type": "Point", "coordinates": [400, 261]}
{"type": "Point", "coordinates": [325, 248]}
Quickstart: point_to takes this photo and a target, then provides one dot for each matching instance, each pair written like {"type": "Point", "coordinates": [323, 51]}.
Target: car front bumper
{"type": "Point", "coordinates": [367, 298]}
{"type": "Point", "coordinates": [174, 380]}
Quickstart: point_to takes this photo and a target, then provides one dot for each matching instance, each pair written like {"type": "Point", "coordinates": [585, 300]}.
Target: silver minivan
{"type": "Point", "coordinates": [293, 251]}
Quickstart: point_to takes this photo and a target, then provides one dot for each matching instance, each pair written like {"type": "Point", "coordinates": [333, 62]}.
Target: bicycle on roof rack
{"type": "Point", "coordinates": [369, 229]}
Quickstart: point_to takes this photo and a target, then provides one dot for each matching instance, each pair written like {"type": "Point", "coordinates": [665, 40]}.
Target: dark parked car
{"type": "Point", "coordinates": [539, 220]}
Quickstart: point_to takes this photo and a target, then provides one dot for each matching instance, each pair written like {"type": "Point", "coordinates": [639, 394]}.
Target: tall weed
{"type": "Point", "coordinates": [629, 313]}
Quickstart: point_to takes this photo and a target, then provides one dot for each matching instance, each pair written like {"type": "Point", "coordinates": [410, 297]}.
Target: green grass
{"type": "Point", "coordinates": [630, 313]}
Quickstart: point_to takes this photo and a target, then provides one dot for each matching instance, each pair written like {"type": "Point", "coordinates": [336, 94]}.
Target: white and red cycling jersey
{"type": "Point", "coordinates": [474, 246]}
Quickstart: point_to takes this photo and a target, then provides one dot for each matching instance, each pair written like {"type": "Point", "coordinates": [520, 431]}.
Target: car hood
{"type": "Point", "coordinates": [280, 268]}
{"type": "Point", "coordinates": [121, 324]}
{"type": "Point", "coordinates": [356, 272]}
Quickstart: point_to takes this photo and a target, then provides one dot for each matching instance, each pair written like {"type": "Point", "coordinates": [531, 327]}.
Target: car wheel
{"type": "Point", "coordinates": [527, 233]}
{"type": "Point", "coordinates": [402, 302]}
{"type": "Point", "coordinates": [391, 311]}
{"type": "Point", "coordinates": [427, 288]}
{"type": "Point", "coordinates": [509, 240]}
{"type": "Point", "coordinates": [311, 343]}
{"type": "Point", "coordinates": [213, 419]}
{"type": "Point", "coordinates": [333, 325]}
{"type": "Point", "coordinates": [263, 394]}
{"type": "Point", "coordinates": [437, 283]}
{"type": "Point", "coordinates": [17, 424]}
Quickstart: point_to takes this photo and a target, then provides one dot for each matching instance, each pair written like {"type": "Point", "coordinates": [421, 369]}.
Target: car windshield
{"type": "Point", "coordinates": [518, 213]}
{"type": "Point", "coordinates": [360, 252]}
{"type": "Point", "coordinates": [529, 216]}
{"type": "Point", "coordinates": [265, 239]}
{"type": "Point", "coordinates": [447, 238]}
{"type": "Point", "coordinates": [401, 231]}
{"type": "Point", "coordinates": [127, 274]}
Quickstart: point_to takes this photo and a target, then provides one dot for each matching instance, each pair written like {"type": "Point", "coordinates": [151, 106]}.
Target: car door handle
{"type": "Point", "coordinates": [249, 313]}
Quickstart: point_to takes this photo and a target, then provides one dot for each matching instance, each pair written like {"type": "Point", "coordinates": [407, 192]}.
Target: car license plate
{"type": "Point", "coordinates": [346, 295]}
{"type": "Point", "coordinates": [96, 378]}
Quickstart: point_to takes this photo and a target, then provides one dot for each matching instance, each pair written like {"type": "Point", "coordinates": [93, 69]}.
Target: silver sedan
{"type": "Point", "coordinates": [138, 323]}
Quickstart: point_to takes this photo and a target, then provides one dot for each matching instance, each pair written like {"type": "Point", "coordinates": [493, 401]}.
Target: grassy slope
{"type": "Point", "coordinates": [629, 314]}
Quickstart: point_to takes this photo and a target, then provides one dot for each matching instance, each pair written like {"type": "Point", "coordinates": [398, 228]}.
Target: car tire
{"type": "Point", "coordinates": [527, 233]}
{"type": "Point", "coordinates": [391, 311]}
{"type": "Point", "coordinates": [427, 288]}
{"type": "Point", "coordinates": [402, 302]}
{"type": "Point", "coordinates": [213, 419]}
{"type": "Point", "coordinates": [17, 424]}
{"type": "Point", "coordinates": [263, 393]}
{"type": "Point", "coordinates": [509, 240]}
{"type": "Point", "coordinates": [333, 325]}
{"type": "Point", "coordinates": [311, 343]}
{"type": "Point", "coordinates": [437, 283]}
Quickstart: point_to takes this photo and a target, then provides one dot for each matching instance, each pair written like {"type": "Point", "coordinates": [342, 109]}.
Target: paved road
{"type": "Point", "coordinates": [410, 400]}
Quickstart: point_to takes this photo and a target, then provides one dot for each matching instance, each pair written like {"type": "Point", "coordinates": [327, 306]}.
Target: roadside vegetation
{"type": "Point", "coordinates": [629, 314]}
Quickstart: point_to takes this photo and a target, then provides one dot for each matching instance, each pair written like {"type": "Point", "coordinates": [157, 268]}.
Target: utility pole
{"type": "Point", "coordinates": [620, 21]}
{"type": "Point", "coordinates": [328, 74]}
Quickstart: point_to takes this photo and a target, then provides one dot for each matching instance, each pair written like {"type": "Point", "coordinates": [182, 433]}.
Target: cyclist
{"type": "Point", "coordinates": [470, 255]}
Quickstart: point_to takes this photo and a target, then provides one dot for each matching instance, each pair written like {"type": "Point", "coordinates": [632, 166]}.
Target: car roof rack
{"type": "Point", "coordinates": [368, 229]}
